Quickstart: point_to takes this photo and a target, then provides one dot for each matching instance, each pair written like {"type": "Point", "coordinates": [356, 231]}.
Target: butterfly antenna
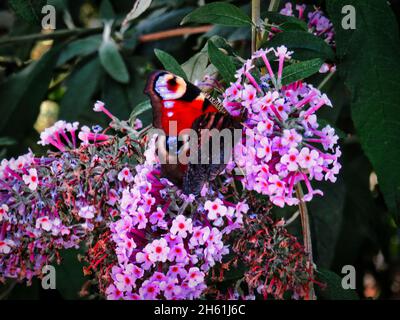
{"type": "Point", "coordinates": [217, 104]}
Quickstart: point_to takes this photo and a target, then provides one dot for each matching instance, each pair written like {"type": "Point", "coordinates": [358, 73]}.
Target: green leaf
{"type": "Point", "coordinates": [81, 47]}
{"type": "Point", "coordinates": [219, 13]}
{"type": "Point", "coordinates": [30, 11]}
{"type": "Point", "coordinates": [285, 22]}
{"type": "Point", "coordinates": [301, 70]}
{"type": "Point", "coordinates": [81, 85]}
{"type": "Point", "coordinates": [371, 68]}
{"type": "Point", "coordinates": [295, 40]}
{"type": "Point", "coordinates": [23, 92]}
{"type": "Point", "coordinates": [7, 141]}
{"type": "Point", "coordinates": [195, 68]}
{"type": "Point", "coordinates": [222, 62]}
{"type": "Point", "coordinates": [116, 98]}
{"type": "Point", "coordinates": [362, 210]}
{"type": "Point", "coordinates": [106, 10]}
{"type": "Point", "coordinates": [112, 61]}
{"type": "Point", "coordinates": [138, 9]}
{"type": "Point", "coordinates": [170, 63]}
{"type": "Point", "coordinates": [333, 289]}
{"type": "Point", "coordinates": [326, 216]}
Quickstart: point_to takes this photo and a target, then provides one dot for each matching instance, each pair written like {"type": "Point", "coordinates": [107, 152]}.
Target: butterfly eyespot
{"type": "Point", "coordinates": [171, 83]}
{"type": "Point", "coordinates": [170, 87]}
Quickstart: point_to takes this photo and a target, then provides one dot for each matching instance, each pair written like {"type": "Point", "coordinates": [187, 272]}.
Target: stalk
{"type": "Point", "coordinates": [273, 6]}
{"type": "Point", "coordinates": [255, 17]}
{"type": "Point", "coordinates": [305, 225]}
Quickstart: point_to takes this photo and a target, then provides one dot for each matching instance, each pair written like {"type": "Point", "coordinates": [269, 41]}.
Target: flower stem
{"type": "Point", "coordinates": [273, 5]}
{"type": "Point", "coordinates": [255, 17]}
{"type": "Point", "coordinates": [305, 224]}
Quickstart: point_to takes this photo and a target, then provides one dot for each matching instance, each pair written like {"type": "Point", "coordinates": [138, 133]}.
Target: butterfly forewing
{"type": "Point", "coordinates": [179, 105]}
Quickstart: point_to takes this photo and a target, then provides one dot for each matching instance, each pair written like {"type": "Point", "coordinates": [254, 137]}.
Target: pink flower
{"type": "Point", "coordinates": [159, 250]}
{"type": "Point", "coordinates": [149, 290]}
{"type": "Point", "coordinates": [144, 259]}
{"type": "Point", "coordinates": [113, 293]}
{"type": "Point", "coordinates": [3, 212]}
{"type": "Point", "coordinates": [177, 270]}
{"type": "Point", "coordinates": [276, 185]}
{"type": "Point", "coordinates": [5, 246]}
{"type": "Point", "coordinates": [307, 159]}
{"type": "Point", "coordinates": [98, 106]}
{"type": "Point", "coordinates": [234, 91]}
{"type": "Point", "coordinates": [288, 10]}
{"type": "Point", "coordinates": [199, 236]}
{"type": "Point", "coordinates": [31, 179]}
{"type": "Point", "coordinates": [137, 125]}
{"type": "Point", "coordinates": [44, 223]}
{"type": "Point", "coordinates": [181, 226]}
{"type": "Point", "coordinates": [216, 209]}
{"type": "Point", "coordinates": [194, 277]}
{"type": "Point", "coordinates": [264, 150]}
{"type": "Point", "coordinates": [178, 253]}
{"type": "Point", "coordinates": [290, 160]}
{"type": "Point", "coordinates": [242, 207]}
{"type": "Point", "coordinates": [249, 96]}
{"type": "Point", "coordinates": [291, 138]}
{"type": "Point", "coordinates": [265, 126]}
{"type": "Point", "coordinates": [158, 277]}
{"type": "Point", "coordinates": [157, 217]}
{"type": "Point", "coordinates": [139, 218]}
{"type": "Point", "coordinates": [125, 281]}
{"type": "Point", "coordinates": [171, 289]}
{"type": "Point", "coordinates": [125, 175]}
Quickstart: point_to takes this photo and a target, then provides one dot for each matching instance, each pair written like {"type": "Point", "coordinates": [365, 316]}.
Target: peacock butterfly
{"type": "Point", "coordinates": [176, 101]}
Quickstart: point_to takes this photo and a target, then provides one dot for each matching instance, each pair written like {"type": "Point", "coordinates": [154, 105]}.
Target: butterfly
{"type": "Point", "coordinates": [180, 103]}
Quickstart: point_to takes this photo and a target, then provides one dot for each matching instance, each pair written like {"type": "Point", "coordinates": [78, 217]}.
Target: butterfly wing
{"type": "Point", "coordinates": [216, 141]}
{"type": "Point", "coordinates": [176, 103]}
{"type": "Point", "coordinates": [179, 105]}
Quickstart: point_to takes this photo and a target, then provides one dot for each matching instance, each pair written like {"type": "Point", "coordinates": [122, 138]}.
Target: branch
{"type": "Point", "coordinates": [53, 35]}
{"type": "Point", "coordinates": [174, 33]}
{"type": "Point", "coordinates": [273, 6]}
{"type": "Point", "coordinates": [85, 32]}
{"type": "Point", "coordinates": [255, 17]}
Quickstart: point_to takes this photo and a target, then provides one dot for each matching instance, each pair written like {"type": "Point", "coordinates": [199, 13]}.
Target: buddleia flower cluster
{"type": "Point", "coordinates": [55, 202]}
{"type": "Point", "coordinates": [317, 23]}
{"type": "Point", "coordinates": [164, 241]}
{"type": "Point", "coordinates": [284, 143]}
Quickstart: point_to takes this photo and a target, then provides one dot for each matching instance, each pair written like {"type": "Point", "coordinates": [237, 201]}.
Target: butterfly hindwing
{"type": "Point", "coordinates": [210, 164]}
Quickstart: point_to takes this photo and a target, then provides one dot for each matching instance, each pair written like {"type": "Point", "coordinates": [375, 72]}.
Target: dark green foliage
{"type": "Point", "coordinates": [219, 13]}
{"type": "Point", "coordinates": [370, 67]}
{"type": "Point", "coordinates": [30, 10]}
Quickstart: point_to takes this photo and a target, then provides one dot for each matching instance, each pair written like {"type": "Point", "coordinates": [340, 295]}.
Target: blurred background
{"type": "Point", "coordinates": [46, 75]}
